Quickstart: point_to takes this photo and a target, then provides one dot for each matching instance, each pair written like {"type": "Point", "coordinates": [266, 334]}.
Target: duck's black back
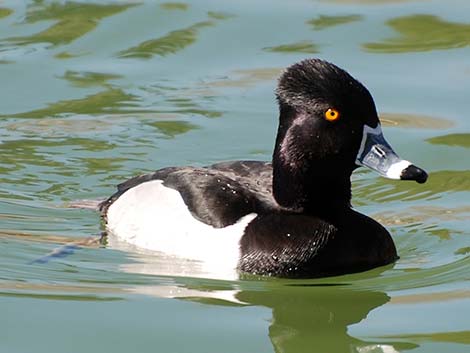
{"type": "Point", "coordinates": [218, 195]}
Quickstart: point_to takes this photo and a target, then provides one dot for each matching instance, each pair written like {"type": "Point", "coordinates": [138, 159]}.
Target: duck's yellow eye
{"type": "Point", "coordinates": [332, 115]}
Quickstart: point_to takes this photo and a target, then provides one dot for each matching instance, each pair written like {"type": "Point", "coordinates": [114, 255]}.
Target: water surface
{"type": "Point", "coordinates": [95, 92]}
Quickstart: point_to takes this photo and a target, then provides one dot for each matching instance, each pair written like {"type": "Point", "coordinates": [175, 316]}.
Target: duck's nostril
{"type": "Point", "coordinates": [413, 172]}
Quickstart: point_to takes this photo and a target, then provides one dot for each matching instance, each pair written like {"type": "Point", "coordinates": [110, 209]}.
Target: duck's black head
{"type": "Point", "coordinates": [328, 126]}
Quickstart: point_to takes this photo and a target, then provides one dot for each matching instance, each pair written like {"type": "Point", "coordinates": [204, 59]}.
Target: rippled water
{"type": "Point", "coordinates": [95, 92]}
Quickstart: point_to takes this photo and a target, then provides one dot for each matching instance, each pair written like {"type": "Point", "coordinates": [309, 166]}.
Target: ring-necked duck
{"type": "Point", "coordinates": [289, 218]}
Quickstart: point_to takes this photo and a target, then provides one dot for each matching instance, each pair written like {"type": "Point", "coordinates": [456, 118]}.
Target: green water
{"type": "Point", "coordinates": [94, 92]}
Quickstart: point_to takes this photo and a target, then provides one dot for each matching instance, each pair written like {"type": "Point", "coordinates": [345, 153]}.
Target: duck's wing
{"type": "Point", "coordinates": [218, 195]}
{"type": "Point", "coordinates": [254, 176]}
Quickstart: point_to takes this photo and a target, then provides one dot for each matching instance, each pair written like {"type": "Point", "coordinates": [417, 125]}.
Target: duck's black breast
{"type": "Point", "coordinates": [218, 195]}
{"type": "Point", "coordinates": [299, 245]}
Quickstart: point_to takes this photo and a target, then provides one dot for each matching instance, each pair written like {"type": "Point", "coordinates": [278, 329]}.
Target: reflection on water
{"type": "Point", "coordinates": [414, 121]}
{"type": "Point", "coordinates": [304, 314]}
{"type": "Point", "coordinates": [247, 78]}
{"type": "Point", "coordinates": [110, 101]}
{"type": "Point", "coordinates": [438, 184]}
{"type": "Point", "coordinates": [422, 33]}
{"type": "Point", "coordinates": [88, 79]}
{"type": "Point", "coordinates": [68, 55]}
{"type": "Point", "coordinates": [171, 129]}
{"type": "Point", "coordinates": [461, 337]}
{"type": "Point", "coordinates": [323, 21]}
{"type": "Point", "coordinates": [67, 297]}
{"type": "Point", "coordinates": [217, 15]}
{"type": "Point", "coordinates": [168, 44]}
{"type": "Point", "coordinates": [188, 106]}
{"type": "Point", "coordinates": [5, 12]}
{"type": "Point", "coordinates": [305, 46]}
{"type": "Point", "coordinates": [174, 41]}
{"type": "Point", "coordinates": [72, 20]}
{"type": "Point", "coordinates": [437, 221]}
{"type": "Point", "coordinates": [423, 213]}
{"type": "Point", "coordinates": [460, 140]}
{"type": "Point", "coordinates": [463, 251]}
{"type": "Point", "coordinates": [17, 154]}
{"type": "Point", "coordinates": [114, 100]}
{"type": "Point", "coordinates": [180, 6]}
{"type": "Point", "coordinates": [318, 317]}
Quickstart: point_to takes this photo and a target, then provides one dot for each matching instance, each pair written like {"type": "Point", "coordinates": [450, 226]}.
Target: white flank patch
{"type": "Point", "coordinates": [395, 170]}
{"type": "Point", "coordinates": [154, 217]}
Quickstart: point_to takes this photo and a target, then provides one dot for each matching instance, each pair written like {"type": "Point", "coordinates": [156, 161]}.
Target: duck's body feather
{"type": "Point", "coordinates": [218, 195]}
{"type": "Point", "coordinates": [291, 217]}
{"type": "Point", "coordinates": [226, 217]}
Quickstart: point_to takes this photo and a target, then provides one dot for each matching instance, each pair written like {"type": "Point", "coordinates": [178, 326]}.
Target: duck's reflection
{"type": "Point", "coordinates": [306, 315]}
{"type": "Point", "coordinates": [318, 317]}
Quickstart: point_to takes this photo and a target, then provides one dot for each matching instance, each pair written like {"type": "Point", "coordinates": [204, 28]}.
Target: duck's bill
{"type": "Point", "coordinates": [375, 153]}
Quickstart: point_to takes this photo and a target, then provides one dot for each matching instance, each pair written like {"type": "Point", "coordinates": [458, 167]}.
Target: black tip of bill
{"type": "Point", "coordinates": [413, 172]}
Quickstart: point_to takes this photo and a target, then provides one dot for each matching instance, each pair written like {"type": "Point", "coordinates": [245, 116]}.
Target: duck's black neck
{"type": "Point", "coordinates": [303, 181]}
{"type": "Point", "coordinates": [307, 192]}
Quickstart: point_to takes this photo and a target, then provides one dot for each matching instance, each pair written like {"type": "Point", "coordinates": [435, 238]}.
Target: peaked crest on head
{"type": "Point", "coordinates": [317, 81]}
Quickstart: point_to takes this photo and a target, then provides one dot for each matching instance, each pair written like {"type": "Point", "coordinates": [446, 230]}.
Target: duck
{"type": "Point", "coordinates": [289, 217]}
